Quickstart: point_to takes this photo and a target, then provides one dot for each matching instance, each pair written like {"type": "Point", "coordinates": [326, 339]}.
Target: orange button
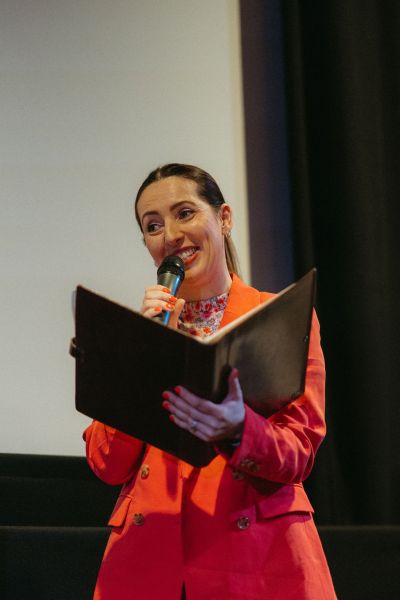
{"type": "Point", "coordinates": [145, 471]}
{"type": "Point", "coordinates": [138, 519]}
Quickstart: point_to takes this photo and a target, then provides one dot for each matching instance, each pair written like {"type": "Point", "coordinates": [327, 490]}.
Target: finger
{"type": "Point", "coordinates": [182, 409]}
{"type": "Point", "coordinates": [234, 388]}
{"type": "Point", "coordinates": [157, 291]}
{"type": "Point", "coordinates": [179, 304]}
{"type": "Point", "coordinates": [187, 413]}
{"type": "Point", "coordinates": [194, 427]}
{"type": "Point", "coordinates": [168, 304]}
{"type": "Point", "coordinates": [189, 418]}
{"type": "Point", "coordinates": [157, 288]}
{"type": "Point", "coordinates": [157, 295]}
{"type": "Point", "coordinates": [206, 407]}
{"type": "Point", "coordinates": [179, 409]}
{"type": "Point", "coordinates": [211, 428]}
{"type": "Point", "coordinates": [152, 312]}
{"type": "Point", "coordinates": [158, 305]}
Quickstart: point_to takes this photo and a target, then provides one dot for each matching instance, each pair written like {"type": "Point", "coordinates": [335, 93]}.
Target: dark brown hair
{"type": "Point", "coordinates": [207, 189]}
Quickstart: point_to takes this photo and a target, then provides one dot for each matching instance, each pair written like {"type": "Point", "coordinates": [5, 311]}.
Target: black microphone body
{"type": "Point", "coordinates": [170, 274]}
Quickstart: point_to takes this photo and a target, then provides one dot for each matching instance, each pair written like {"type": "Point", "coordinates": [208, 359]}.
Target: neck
{"type": "Point", "coordinates": [192, 291]}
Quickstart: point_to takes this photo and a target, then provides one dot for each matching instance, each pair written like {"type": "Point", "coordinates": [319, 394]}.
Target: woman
{"type": "Point", "coordinates": [242, 527]}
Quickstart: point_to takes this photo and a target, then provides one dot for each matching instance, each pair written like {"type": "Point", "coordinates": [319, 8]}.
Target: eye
{"type": "Point", "coordinates": [185, 213]}
{"type": "Point", "coordinates": [152, 227]}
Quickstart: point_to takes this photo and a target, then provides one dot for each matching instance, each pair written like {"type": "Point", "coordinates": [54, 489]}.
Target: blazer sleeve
{"type": "Point", "coordinates": [282, 448]}
{"type": "Point", "coordinates": [112, 455]}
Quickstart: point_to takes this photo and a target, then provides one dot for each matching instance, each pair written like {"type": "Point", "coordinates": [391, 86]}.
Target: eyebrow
{"type": "Point", "coordinates": [173, 207]}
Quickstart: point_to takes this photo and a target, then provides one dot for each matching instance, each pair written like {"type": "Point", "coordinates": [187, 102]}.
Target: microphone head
{"type": "Point", "coordinates": [172, 264]}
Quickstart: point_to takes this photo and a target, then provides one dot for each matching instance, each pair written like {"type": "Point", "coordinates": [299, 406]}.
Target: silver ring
{"type": "Point", "coordinates": [193, 425]}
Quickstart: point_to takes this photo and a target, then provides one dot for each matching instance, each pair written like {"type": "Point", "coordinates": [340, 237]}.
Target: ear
{"type": "Point", "coordinates": [226, 218]}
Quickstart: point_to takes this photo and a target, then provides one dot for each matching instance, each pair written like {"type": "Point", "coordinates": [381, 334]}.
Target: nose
{"type": "Point", "coordinates": [173, 234]}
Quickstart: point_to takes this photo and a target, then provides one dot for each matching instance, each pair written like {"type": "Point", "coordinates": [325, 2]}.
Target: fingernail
{"type": "Point", "coordinates": [170, 306]}
{"type": "Point", "coordinates": [178, 389]}
{"type": "Point", "coordinates": [166, 290]}
{"type": "Point", "coordinates": [158, 308]}
{"type": "Point", "coordinates": [165, 405]}
{"type": "Point", "coordinates": [165, 395]}
{"type": "Point", "coordinates": [171, 418]}
{"type": "Point", "coordinates": [172, 299]}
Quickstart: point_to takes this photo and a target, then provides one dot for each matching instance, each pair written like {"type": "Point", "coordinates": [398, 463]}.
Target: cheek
{"type": "Point", "coordinates": [212, 232]}
{"type": "Point", "coordinates": [214, 238]}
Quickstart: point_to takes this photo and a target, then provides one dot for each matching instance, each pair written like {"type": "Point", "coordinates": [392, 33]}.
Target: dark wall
{"type": "Point", "coordinates": [270, 224]}
{"type": "Point", "coordinates": [341, 74]}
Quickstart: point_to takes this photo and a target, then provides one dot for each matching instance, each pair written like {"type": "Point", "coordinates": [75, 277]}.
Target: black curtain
{"type": "Point", "coordinates": [268, 189]}
{"type": "Point", "coordinates": [342, 80]}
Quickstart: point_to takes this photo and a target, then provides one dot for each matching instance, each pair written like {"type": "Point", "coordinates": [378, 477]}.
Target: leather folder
{"type": "Point", "coordinates": [125, 361]}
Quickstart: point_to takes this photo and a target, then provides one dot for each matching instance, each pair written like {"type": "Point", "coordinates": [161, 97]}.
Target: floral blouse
{"type": "Point", "coordinates": [202, 317]}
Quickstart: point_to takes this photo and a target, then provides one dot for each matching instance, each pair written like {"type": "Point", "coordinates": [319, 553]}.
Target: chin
{"type": "Point", "coordinates": [195, 271]}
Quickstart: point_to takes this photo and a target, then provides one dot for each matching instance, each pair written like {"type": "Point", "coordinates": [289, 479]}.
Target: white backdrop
{"type": "Point", "coordinates": [95, 94]}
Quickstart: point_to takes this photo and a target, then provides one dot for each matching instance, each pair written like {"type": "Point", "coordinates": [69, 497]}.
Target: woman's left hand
{"type": "Point", "coordinates": [206, 420]}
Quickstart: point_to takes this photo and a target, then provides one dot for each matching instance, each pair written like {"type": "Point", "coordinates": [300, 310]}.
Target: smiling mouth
{"type": "Point", "coordinates": [187, 253]}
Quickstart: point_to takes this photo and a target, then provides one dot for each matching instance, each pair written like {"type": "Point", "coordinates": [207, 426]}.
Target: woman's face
{"type": "Point", "coordinates": [175, 220]}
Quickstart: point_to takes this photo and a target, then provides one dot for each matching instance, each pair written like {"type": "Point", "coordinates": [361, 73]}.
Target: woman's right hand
{"type": "Point", "coordinates": [158, 298]}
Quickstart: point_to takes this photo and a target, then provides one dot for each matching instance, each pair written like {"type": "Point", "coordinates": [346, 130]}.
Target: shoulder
{"type": "Point", "coordinates": [240, 289]}
{"type": "Point", "coordinates": [241, 299]}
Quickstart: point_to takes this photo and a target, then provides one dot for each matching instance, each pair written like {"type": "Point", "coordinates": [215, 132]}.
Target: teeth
{"type": "Point", "coordinates": [186, 253]}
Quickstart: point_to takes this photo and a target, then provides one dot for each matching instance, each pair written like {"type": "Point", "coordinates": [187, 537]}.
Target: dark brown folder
{"type": "Point", "coordinates": [125, 361]}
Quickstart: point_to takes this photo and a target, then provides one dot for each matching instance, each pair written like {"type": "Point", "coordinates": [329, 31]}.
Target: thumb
{"type": "Point", "coordinates": [234, 389]}
{"type": "Point", "coordinates": [173, 322]}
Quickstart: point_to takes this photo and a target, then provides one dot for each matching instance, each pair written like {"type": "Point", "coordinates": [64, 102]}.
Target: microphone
{"type": "Point", "coordinates": [170, 274]}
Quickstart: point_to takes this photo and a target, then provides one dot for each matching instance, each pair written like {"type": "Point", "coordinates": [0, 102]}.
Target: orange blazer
{"type": "Point", "coordinates": [240, 528]}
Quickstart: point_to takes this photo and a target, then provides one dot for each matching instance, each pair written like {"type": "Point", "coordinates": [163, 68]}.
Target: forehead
{"type": "Point", "coordinates": [160, 195]}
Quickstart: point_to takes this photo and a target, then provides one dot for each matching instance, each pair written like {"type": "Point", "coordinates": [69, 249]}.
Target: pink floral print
{"type": "Point", "coordinates": [202, 317]}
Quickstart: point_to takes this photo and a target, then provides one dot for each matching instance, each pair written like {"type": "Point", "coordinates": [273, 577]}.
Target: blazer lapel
{"type": "Point", "coordinates": [240, 300]}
